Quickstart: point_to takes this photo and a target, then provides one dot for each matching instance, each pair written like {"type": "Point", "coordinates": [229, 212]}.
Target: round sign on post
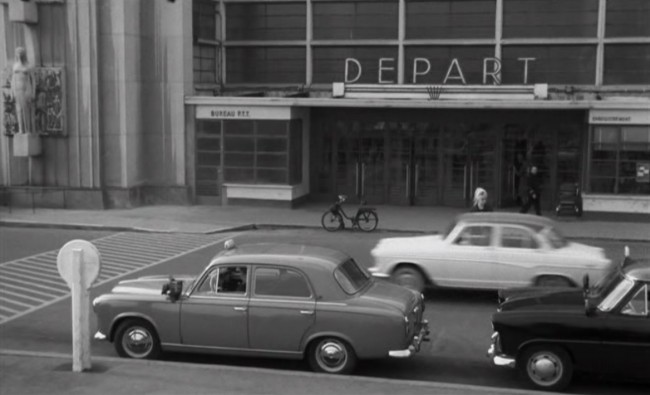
{"type": "Point", "coordinates": [79, 264]}
{"type": "Point", "coordinates": [90, 261]}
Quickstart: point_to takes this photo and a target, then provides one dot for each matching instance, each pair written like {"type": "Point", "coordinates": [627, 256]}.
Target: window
{"type": "Point", "coordinates": [555, 238]}
{"type": "Point", "coordinates": [638, 305]}
{"type": "Point", "coordinates": [263, 151]}
{"type": "Point", "coordinates": [351, 277]}
{"type": "Point", "coordinates": [475, 236]}
{"type": "Point", "coordinates": [616, 295]}
{"type": "Point", "coordinates": [206, 25]}
{"type": "Point", "coordinates": [516, 238]}
{"type": "Point", "coordinates": [619, 157]}
{"type": "Point", "coordinates": [224, 280]}
{"type": "Point", "coordinates": [281, 282]}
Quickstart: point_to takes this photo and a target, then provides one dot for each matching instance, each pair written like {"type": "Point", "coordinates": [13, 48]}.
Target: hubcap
{"type": "Point", "coordinates": [545, 369]}
{"type": "Point", "coordinates": [137, 342]}
{"type": "Point", "coordinates": [331, 356]}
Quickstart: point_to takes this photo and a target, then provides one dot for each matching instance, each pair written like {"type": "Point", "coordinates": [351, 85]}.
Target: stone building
{"type": "Point", "coordinates": [400, 102]}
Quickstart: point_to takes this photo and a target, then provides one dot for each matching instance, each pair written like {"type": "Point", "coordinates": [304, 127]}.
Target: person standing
{"type": "Point", "coordinates": [23, 89]}
{"type": "Point", "coordinates": [534, 192]}
{"type": "Point", "coordinates": [481, 204]}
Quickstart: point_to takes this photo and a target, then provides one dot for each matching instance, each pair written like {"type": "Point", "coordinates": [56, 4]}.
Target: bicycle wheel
{"type": "Point", "coordinates": [367, 221]}
{"type": "Point", "coordinates": [332, 221]}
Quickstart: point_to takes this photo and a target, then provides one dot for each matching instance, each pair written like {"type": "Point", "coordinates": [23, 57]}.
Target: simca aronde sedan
{"type": "Point", "coordinates": [549, 333]}
{"type": "Point", "coordinates": [270, 300]}
{"type": "Point", "coordinates": [489, 251]}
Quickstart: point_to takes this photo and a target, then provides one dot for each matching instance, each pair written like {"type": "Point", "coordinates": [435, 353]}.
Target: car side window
{"type": "Point", "coordinates": [224, 280]}
{"type": "Point", "coordinates": [281, 282]}
{"type": "Point", "coordinates": [512, 237]}
{"type": "Point", "coordinates": [638, 305]}
{"type": "Point", "coordinates": [474, 236]}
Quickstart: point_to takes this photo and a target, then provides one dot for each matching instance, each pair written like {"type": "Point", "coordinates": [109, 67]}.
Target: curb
{"type": "Point", "coordinates": [237, 228]}
{"type": "Point", "coordinates": [284, 373]}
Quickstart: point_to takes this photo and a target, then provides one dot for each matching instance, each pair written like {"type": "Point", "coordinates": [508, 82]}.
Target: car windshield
{"type": "Point", "coordinates": [605, 285]}
{"type": "Point", "coordinates": [351, 277]}
{"type": "Point", "coordinates": [617, 293]}
{"type": "Point", "coordinates": [555, 238]}
{"type": "Point", "coordinates": [451, 227]}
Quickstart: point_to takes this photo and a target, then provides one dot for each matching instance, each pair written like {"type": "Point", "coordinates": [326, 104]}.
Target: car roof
{"type": "Point", "coordinates": [638, 269]}
{"type": "Point", "coordinates": [287, 254]}
{"type": "Point", "coordinates": [506, 218]}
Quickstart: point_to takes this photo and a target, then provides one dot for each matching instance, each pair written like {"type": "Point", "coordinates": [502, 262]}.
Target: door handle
{"type": "Point", "coordinates": [240, 308]}
{"type": "Point", "coordinates": [417, 179]}
{"type": "Point", "coordinates": [306, 312]}
{"type": "Point", "coordinates": [408, 180]}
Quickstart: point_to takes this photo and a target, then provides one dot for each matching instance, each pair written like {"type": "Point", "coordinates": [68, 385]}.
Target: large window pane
{"type": "Point", "coordinates": [627, 64]}
{"type": "Point", "coordinates": [635, 152]}
{"type": "Point", "coordinates": [265, 65]}
{"type": "Point", "coordinates": [329, 64]}
{"type": "Point", "coordinates": [265, 21]}
{"type": "Point", "coordinates": [450, 19]}
{"type": "Point", "coordinates": [628, 18]}
{"type": "Point", "coordinates": [470, 62]}
{"type": "Point", "coordinates": [552, 64]}
{"type": "Point", "coordinates": [354, 20]}
{"type": "Point", "coordinates": [550, 18]}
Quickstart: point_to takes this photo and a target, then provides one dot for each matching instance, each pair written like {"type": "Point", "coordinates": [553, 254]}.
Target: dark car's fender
{"type": "Point", "coordinates": [118, 319]}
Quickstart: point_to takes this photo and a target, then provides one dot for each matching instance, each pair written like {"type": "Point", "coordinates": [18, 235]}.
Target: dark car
{"type": "Point", "coordinates": [550, 333]}
{"type": "Point", "coordinates": [267, 300]}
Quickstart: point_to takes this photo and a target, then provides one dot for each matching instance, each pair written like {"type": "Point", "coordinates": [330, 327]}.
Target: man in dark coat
{"type": "Point", "coordinates": [534, 192]}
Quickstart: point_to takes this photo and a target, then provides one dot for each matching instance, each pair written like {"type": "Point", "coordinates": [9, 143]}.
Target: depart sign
{"type": "Point", "coordinates": [422, 66]}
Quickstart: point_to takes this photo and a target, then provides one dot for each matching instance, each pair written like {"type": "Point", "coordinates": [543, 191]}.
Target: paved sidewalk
{"type": "Point", "coordinates": [50, 373]}
{"type": "Point", "coordinates": [210, 219]}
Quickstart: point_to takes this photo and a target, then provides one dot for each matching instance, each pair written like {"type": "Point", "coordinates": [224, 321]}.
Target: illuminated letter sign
{"type": "Point", "coordinates": [415, 68]}
{"type": "Point", "coordinates": [525, 60]}
{"type": "Point", "coordinates": [348, 80]}
{"type": "Point", "coordinates": [460, 75]}
{"type": "Point", "coordinates": [495, 73]}
{"type": "Point", "coordinates": [382, 68]}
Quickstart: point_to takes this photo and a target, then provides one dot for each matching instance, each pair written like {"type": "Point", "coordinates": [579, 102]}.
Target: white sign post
{"type": "Point", "coordinates": [79, 264]}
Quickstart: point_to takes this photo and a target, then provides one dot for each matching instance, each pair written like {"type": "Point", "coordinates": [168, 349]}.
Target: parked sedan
{"type": "Point", "coordinates": [285, 301]}
{"type": "Point", "coordinates": [605, 329]}
{"type": "Point", "coordinates": [489, 251]}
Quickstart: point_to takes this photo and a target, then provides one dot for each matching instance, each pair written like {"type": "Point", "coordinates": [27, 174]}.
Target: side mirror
{"type": "Point", "coordinates": [590, 310]}
{"type": "Point", "coordinates": [173, 289]}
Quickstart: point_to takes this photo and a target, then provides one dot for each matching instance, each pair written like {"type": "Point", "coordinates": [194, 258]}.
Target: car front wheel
{"type": "Point", "coordinates": [137, 339]}
{"type": "Point", "coordinates": [547, 367]}
{"type": "Point", "coordinates": [332, 355]}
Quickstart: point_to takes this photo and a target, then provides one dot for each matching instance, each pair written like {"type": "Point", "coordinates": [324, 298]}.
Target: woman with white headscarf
{"type": "Point", "coordinates": [481, 204]}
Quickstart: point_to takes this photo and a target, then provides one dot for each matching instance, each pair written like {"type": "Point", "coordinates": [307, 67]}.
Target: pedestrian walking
{"type": "Point", "coordinates": [481, 204]}
{"type": "Point", "coordinates": [534, 192]}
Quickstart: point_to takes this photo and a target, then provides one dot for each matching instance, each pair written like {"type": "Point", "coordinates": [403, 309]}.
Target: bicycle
{"type": "Point", "coordinates": [365, 218]}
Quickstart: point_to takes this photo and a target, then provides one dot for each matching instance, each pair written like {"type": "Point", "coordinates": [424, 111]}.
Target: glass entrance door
{"type": "Point", "coordinates": [469, 162]}
{"type": "Point", "coordinates": [361, 167]}
{"type": "Point", "coordinates": [413, 164]}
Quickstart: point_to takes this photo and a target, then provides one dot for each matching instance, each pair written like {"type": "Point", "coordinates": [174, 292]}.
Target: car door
{"type": "Point", "coordinates": [215, 315]}
{"type": "Point", "coordinates": [518, 254]}
{"type": "Point", "coordinates": [469, 259]}
{"type": "Point", "coordinates": [626, 337]}
{"type": "Point", "coordinates": [281, 309]}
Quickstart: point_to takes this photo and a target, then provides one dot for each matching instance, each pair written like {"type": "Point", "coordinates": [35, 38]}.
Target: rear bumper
{"type": "Point", "coordinates": [376, 273]}
{"type": "Point", "coordinates": [414, 347]}
{"type": "Point", "coordinates": [99, 336]}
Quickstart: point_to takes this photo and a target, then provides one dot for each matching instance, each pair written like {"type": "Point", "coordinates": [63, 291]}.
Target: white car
{"type": "Point", "coordinates": [489, 251]}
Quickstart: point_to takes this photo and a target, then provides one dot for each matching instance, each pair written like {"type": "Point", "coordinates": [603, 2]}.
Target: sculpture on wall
{"type": "Point", "coordinates": [23, 90]}
{"type": "Point", "coordinates": [45, 102]}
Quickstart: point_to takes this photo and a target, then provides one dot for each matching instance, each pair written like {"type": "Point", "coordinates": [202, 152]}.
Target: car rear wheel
{"type": "Point", "coordinates": [409, 277]}
{"type": "Point", "coordinates": [332, 355]}
{"type": "Point", "coordinates": [553, 281]}
{"type": "Point", "coordinates": [137, 339]}
{"type": "Point", "coordinates": [547, 367]}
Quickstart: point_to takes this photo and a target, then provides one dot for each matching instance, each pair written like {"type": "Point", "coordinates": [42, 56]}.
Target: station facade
{"type": "Point", "coordinates": [396, 102]}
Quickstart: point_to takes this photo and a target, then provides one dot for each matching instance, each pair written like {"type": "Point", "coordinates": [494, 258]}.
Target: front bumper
{"type": "Point", "coordinates": [495, 355]}
{"type": "Point", "coordinates": [423, 335]}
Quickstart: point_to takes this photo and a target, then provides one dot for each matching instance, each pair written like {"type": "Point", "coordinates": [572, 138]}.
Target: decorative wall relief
{"type": "Point", "coordinates": [49, 102]}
